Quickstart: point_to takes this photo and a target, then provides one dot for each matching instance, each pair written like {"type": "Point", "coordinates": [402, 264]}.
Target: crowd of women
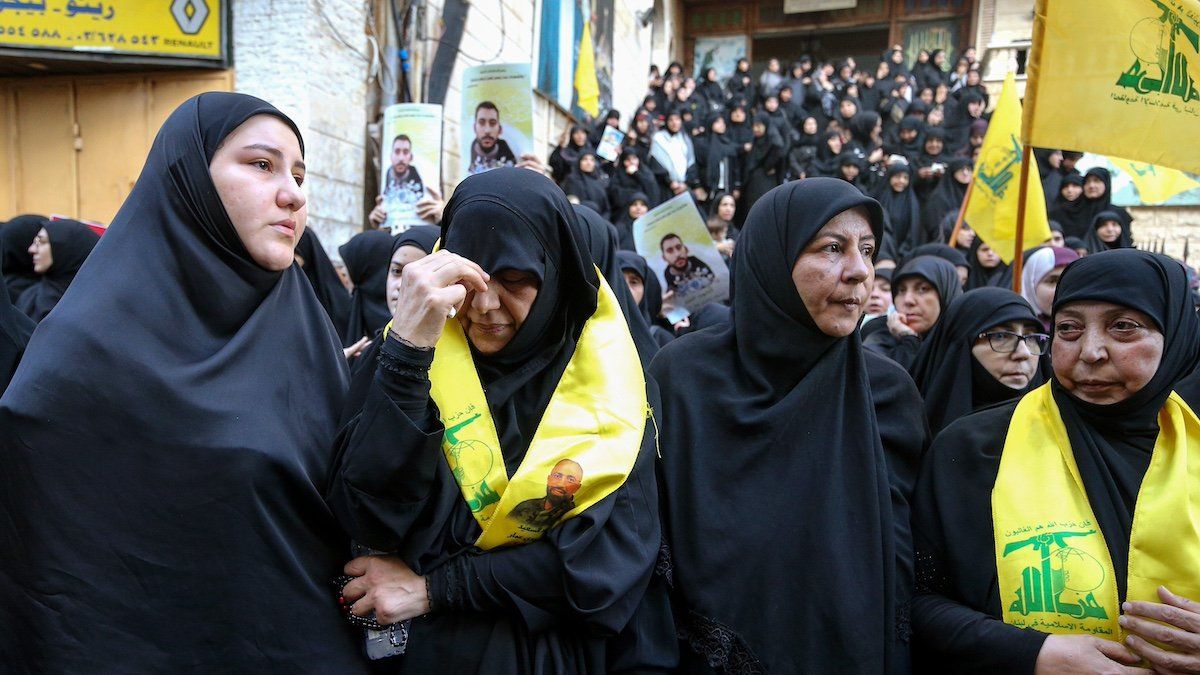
{"type": "Point", "coordinates": [496, 456]}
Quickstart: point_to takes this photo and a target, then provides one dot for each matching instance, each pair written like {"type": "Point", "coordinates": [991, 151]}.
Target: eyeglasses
{"type": "Point", "coordinates": [1005, 342]}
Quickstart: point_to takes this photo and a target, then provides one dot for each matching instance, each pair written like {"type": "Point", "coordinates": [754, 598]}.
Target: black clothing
{"type": "Point", "coordinates": [1073, 216]}
{"type": "Point", "coordinates": [1104, 203]}
{"type": "Point", "coordinates": [589, 187]}
{"type": "Point", "coordinates": [902, 211]}
{"type": "Point", "coordinates": [944, 277]}
{"type": "Point", "coordinates": [623, 188]}
{"type": "Point", "coordinates": [15, 329]}
{"type": "Point", "coordinates": [980, 276]}
{"type": "Point", "coordinates": [1092, 240]}
{"type": "Point", "coordinates": [956, 616]}
{"type": "Point", "coordinates": [651, 303]}
{"type": "Point", "coordinates": [945, 199]}
{"type": "Point", "coordinates": [624, 222]}
{"type": "Point", "coordinates": [15, 237]}
{"type": "Point", "coordinates": [162, 496]}
{"type": "Point", "coordinates": [70, 243]}
{"type": "Point", "coordinates": [719, 169]}
{"type": "Point", "coordinates": [540, 607]}
{"type": "Point", "coordinates": [798, 410]}
{"type": "Point", "coordinates": [696, 271]}
{"type": "Point", "coordinates": [951, 380]}
{"type": "Point", "coordinates": [566, 156]}
{"type": "Point", "coordinates": [326, 283]}
{"type": "Point", "coordinates": [760, 170]}
{"type": "Point", "coordinates": [366, 257]}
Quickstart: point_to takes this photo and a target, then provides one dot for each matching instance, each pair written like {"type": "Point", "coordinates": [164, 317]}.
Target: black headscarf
{"type": "Point", "coordinates": [1104, 203]}
{"type": "Point", "coordinates": [1113, 443]}
{"type": "Point", "coordinates": [651, 303]}
{"type": "Point", "coordinates": [951, 380]}
{"type": "Point", "coordinates": [70, 243]}
{"type": "Point", "coordinates": [981, 276]}
{"type": "Point", "coordinates": [945, 199]}
{"type": "Point", "coordinates": [590, 187]}
{"type": "Point", "coordinates": [624, 222]}
{"type": "Point", "coordinates": [799, 410]}
{"type": "Point", "coordinates": [366, 256]}
{"type": "Point", "coordinates": [601, 238]}
{"type": "Point", "coordinates": [718, 158]}
{"type": "Point", "coordinates": [326, 283]}
{"type": "Point", "coordinates": [902, 210]}
{"type": "Point", "coordinates": [1072, 215]}
{"type": "Point", "coordinates": [936, 270]}
{"type": "Point", "coordinates": [170, 483]}
{"type": "Point", "coordinates": [15, 329]}
{"type": "Point", "coordinates": [1092, 239]}
{"type": "Point", "coordinates": [15, 236]}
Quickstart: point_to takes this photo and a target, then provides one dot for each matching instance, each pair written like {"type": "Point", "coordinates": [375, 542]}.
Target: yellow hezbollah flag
{"type": "Point", "coordinates": [992, 210]}
{"type": "Point", "coordinates": [1116, 77]}
{"type": "Point", "coordinates": [1155, 184]}
{"type": "Point", "coordinates": [587, 89]}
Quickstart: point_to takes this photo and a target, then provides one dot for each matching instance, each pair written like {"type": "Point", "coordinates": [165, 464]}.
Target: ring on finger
{"type": "Point", "coordinates": [452, 313]}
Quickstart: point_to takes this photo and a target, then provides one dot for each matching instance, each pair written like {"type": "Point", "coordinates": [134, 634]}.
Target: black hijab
{"type": "Point", "coordinates": [170, 483]}
{"type": "Point", "coordinates": [945, 199]}
{"type": "Point", "coordinates": [366, 256]}
{"type": "Point", "coordinates": [516, 219]}
{"type": "Point", "coordinates": [798, 409]}
{"type": "Point", "coordinates": [601, 238]}
{"type": "Point", "coordinates": [590, 187]}
{"type": "Point", "coordinates": [718, 155]}
{"type": "Point", "coordinates": [1073, 216]}
{"type": "Point", "coordinates": [1113, 443]}
{"type": "Point", "coordinates": [951, 380]}
{"type": "Point", "coordinates": [937, 271]}
{"type": "Point", "coordinates": [981, 276]}
{"type": "Point", "coordinates": [15, 237]}
{"type": "Point", "coordinates": [15, 329]}
{"type": "Point", "coordinates": [651, 303]}
{"type": "Point", "coordinates": [326, 283]}
{"type": "Point", "coordinates": [1092, 240]}
{"type": "Point", "coordinates": [70, 243]}
{"type": "Point", "coordinates": [624, 222]}
{"type": "Point", "coordinates": [1104, 203]}
{"type": "Point", "coordinates": [902, 210]}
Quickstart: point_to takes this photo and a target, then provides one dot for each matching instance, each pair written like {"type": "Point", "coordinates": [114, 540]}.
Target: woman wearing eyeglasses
{"type": "Point", "coordinates": [1060, 533]}
{"type": "Point", "coordinates": [986, 349]}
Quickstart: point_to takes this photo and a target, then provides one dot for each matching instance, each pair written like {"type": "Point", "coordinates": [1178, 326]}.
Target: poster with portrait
{"type": "Point", "coordinates": [676, 244]}
{"type": "Point", "coordinates": [721, 53]}
{"type": "Point", "coordinates": [497, 117]}
{"type": "Point", "coordinates": [411, 161]}
{"type": "Point", "coordinates": [609, 147]}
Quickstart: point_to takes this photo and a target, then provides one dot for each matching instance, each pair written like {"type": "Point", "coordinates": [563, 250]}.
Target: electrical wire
{"type": "Point", "coordinates": [499, 48]}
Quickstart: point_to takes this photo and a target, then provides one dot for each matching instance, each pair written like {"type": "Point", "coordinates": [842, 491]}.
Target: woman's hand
{"type": "Point", "coordinates": [429, 289]}
{"type": "Point", "coordinates": [897, 327]}
{"type": "Point", "coordinates": [726, 247]}
{"type": "Point", "coordinates": [355, 349]}
{"type": "Point", "coordinates": [1067, 654]}
{"type": "Point", "coordinates": [1178, 628]}
{"type": "Point", "coordinates": [387, 587]}
{"type": "Point", "coordinates": [378, 214]}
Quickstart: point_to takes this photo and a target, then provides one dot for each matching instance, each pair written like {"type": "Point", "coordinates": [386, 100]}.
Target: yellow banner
{"type": "Point", "coordinates": [173, 28]}
{"type": "Point", "coordinates": [1155, 184]}
{"type": "Point", "coordinates": [992, 210]}
{"type": "Point", "coordinates": [1116, 77]}
{"type": "Point", "coordinates": [587, 88]}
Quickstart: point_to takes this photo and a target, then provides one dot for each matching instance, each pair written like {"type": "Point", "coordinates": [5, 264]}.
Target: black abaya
{"type": "Point", "coordinates": [326, 283]}
{"type": "Point", "coordinates": [15, 236]}
{"type": "Point", "coordinates": [650, 305]}
{"type": "Point", "coordinates": [366, 256]}
{"type": "Point", "coordinates": [902, 210]}
{"type": "Point", "coordinates": [540, 607]}
{"type": "Point", "coordinates": [70, 243]}
{"type": "Point", "coordinates": [15, 329]}
{"type": "Point", "coordinates": [956, 615]}
{"type": "Point", "coordinates": [162, 497]}
{"type": "Point", "coordinates": [775, 443]}
{"type": "Point", "coordinates": [943, 276]}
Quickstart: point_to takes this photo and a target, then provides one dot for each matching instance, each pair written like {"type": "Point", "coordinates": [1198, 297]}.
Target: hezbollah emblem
{"type": "Point", "coordinates": [1063, 579]}
{"type": "Point", "coordinates": [1166, 53]}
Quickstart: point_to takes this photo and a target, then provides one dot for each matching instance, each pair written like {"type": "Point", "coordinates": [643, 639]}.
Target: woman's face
{"type": "Point", "coordinates": [899, 181]}
{"type": "Point", "coordinates": [1109, 231]}
{"type": "Point", "coordinates": [40, 250]}
{"type": "Point", "coordinates": [404, 255]}
{"type": "Point", "coordinates": [587, 163]}
{"type": "Point", "coordinates": [919, 302]}
{"type": "Point", "coordinates": [935, 117]}
{"type": "Point", "coordinates": [1093, 187]}
{"type": "Point", "coordinates": [1014, 369]}
{"type": "Point", "coordinates": [738, 115]}
{"type": "Point", "coordinates": [771, 104]}
{"type": "Point", "coordinates": [850, 172]}
{"type": "Point", "coordinates": [834, 273]}
{"type": "Point", "coordinates": [966, 237]}
{"type": "Point", "coordinates": [632, 163]}
{"type": "Point", "coordinates": [493, 317]}
{"type": "Point", "coordinates": [847, 108]}
{"type": "Point", "coordinates": [579, 137]}
{"type": "Point", "coordinates": [1057, 239]}
{"type": "Point", "coordinates": [835, 144]}
{"type": "Point", "coordinates": [638, 209]}
{"type": "Point", "coordinates": [1044, 291]}
{"type": "Point", "coordinates": [1071, 191]}
{"type": "Point", "coordinates": [726, 208]}
{"type": "Point", "coordinates": [933, 145]}
{"type": "Point", "coordinates": [1103, 353]}
{"type": "Point", "coordinates": [880, 298]}
{"type": "Point", "coordinates": [963, 175]}
{"type": "Point", "coordinates": [810, 125]}
{"type": "Point", "coordinates": [636, 288]}
{"type": "Point", "coordinates": [987, 257]}
{"type": "Point", "coordinates": [258, 172]}
{"type": "Point", "coordinates": [718, 125]}
{"type": "Point", "coordinates": [710, 75]}
{"type": "Point", "coordinates": [759, 129]}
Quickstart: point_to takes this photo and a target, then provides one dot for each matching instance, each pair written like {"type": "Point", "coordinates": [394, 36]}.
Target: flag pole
{"type": "Point", "coordinates": [962, 211]}
{"type": "Point", "coordinates": [1019, 237]}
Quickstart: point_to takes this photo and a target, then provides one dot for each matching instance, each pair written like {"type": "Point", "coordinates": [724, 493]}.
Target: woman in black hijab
{"type": "Point", "coordinates": [636, 205]}
{"type": "Point", "coordinates": [931, 163]}
{"type": "Point", "coordinates": [630, 177]}
{"type": "Point", "coordinates": [1125, 333]}
{"type": "Point", "coordinates": [987, 268]}
{"type": "Point", "coordinates": [829, 152]}
{"type": "Point", "coordinates": [973, 358]}
{"type": "Point", "coordinates": [1108, 232]}
{"type": "Point", "coordinates": [922, 290]}
{"type": "Point", "coordinates": [646, 291]}
{"type": "Point", "coordinates": [901, 209]}
{"type": "Point", "coordinates": [538, 606]}
{"type": "Point", "coordinates": [163, 497]}
{"type": "Point", "coordinates": [58, 251]}
{"type": "Point", "coordinates": [1097, 196]}
{"type": "Point", "coordinates": [761, 169]}
{"type": "Point", "coordinates": [718, 157]}
{"type": "Point", "coordinates": [566, 155]}
{"type": "Point", "coordinates": [588, 183]}
{"type": "Point", "coordinates": [1070, 209]}
{"type": "Point", "coordinates": [810, 424]}
{"type": "Point", "coordinates": [15, 237]}
{"type": "Point", "coordinates": [15, 329]}
{"type": "Point", "coordinates": [366, 257]}
{"type": "Point", "coordinates": [950, 254]}
{"type": "Point", "coordinates": [946, 198]}
{"type": "Point", "coordinates": [326, 283]}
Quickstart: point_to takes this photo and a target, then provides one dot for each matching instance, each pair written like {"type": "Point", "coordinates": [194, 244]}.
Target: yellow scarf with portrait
{"type": "Point", "coordinates": [585, 444]}
{"type": "Point", "coordinates": [1054, 568]}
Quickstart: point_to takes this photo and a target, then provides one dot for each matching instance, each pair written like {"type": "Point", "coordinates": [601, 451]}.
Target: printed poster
{"type": "Point", "coordinates": [411, 158]}
{"type": "Point", "coordinates": [674, 241]}
{"type": "Point", "coordinates": [1142, 184]}
{"type": "Point", "coordinates": [610, 144]}
{"type": "Point", "coordinates": [497, 116]}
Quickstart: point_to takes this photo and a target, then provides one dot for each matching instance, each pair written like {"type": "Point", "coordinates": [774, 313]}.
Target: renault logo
{"type": "Point", "coordinates": [190, 14]}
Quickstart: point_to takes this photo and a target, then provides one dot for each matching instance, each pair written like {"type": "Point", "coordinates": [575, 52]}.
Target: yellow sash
{"type": "Point", "coordinates": [585, 444]}
{"type": "Point", "coordinates": [1054, 568]}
